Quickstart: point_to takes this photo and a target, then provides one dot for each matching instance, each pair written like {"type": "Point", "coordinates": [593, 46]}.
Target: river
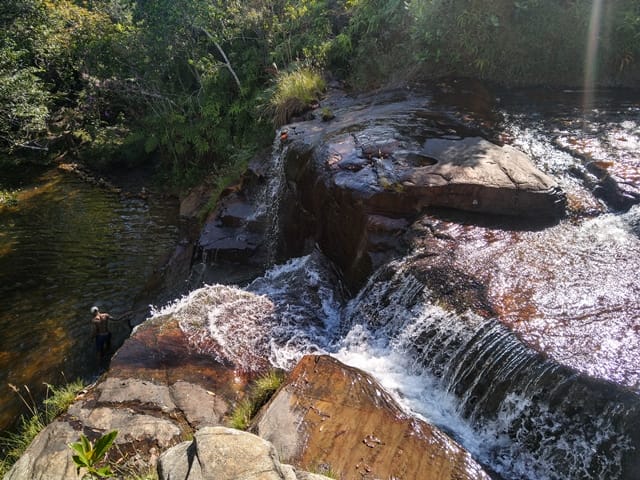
{"type": "Point", "coordinates": [541, 385]}
{"type": "Point", "coordinates": [64, 246]}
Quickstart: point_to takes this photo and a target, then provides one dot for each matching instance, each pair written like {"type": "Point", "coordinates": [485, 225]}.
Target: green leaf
{"type": "Point", "coordinates": [86, 444]}
{"type": "Point", "coordinates": [79, 461]}
{"type": "Point", "coordinates": [80, 453]}
{"type": "Point", "coordinates": [103, 444]}
{"type": "Point", "coordinates": [104, 471]}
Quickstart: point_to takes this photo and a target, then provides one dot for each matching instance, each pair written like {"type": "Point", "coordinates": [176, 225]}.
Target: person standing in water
{"type": "Point", "coordinates": [102, 334]}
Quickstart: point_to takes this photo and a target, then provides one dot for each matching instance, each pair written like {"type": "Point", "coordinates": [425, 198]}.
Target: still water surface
{"type": "Point", "coordinates": [64, 247]}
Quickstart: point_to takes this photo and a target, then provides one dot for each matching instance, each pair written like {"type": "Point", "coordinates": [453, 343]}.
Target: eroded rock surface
{"type": "Point", "coordinates": [332, 417]}
{"type": "Point", "coordinates": [381, 162]}
{"type": "Point", "coordinates": [157, 392]}
{"type": "Point", "coordinates": [353, 184]}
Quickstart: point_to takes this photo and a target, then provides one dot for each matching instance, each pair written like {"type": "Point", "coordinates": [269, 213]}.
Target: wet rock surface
{"type": "Point", "coordinates": [350, 184]}
{"type": "Point", "coordinates": [383, 160]}
{"type": "Point", "coordinates": [332, 417]}
{"type": "Point", "coordinates": [157, 392]}
{"type": "Point", "coordinates": [437, 315]}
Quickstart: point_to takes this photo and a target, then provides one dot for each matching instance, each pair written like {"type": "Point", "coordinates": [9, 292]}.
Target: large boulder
{"type": "Point", "coordinates": [353, 184]}
{"type": "Point", "coordinates": [331, 417]}
{"type": "Point", "coordinates": [361, 177]}
{"type": "Point", "coordinates": [218, 453]}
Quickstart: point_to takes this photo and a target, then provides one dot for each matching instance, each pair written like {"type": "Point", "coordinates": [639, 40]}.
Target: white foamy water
{"type": "Point", "coordinates": [471, 377]}
{"type": "Point", "coordinates": [269, 198]}
{"type": "Point", "coordinates": [463, 373]}
{"type": "Point", "coordinates": [571, 290]}
{"type": "Point", "coordinates": [289, 312]}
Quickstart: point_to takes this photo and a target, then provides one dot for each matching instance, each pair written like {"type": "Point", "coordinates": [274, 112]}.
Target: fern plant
{"type": "Point", "coordinates": [88, 455]}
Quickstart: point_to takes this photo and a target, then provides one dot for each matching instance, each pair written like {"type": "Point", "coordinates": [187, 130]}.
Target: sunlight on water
{"type": "Point", "coordinates": [463, 373]}
{"type": "Point", "coordinates": [290, 312]}
{"type": "Point", "coordinates": [64, 247]}
{"type": "Point", "coordinates": [591, 55]}
{"type": "Point", "coordinates": [571, 290]}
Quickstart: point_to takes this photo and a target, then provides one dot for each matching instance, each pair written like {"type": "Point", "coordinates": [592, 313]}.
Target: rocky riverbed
{"type": "Point", "coordinates": [431, 293]}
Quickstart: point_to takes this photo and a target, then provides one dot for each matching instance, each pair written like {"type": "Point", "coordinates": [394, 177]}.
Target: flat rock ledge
{"type": "Point", "coordinates": [359, 180]}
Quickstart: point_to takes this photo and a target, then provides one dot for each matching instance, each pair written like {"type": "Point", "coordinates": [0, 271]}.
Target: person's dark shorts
{"type": "Point", "coordinates": [103, 341]}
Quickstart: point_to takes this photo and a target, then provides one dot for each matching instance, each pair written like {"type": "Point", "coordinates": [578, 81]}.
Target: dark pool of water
{"type": "Point", "coordinates": [65, 246]}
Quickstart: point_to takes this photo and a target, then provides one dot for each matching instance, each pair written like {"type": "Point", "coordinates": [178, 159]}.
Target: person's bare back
{"type": "Point", "coordinates": [102, 334]}
{"type": "Point", "coordinates": [101, 323]}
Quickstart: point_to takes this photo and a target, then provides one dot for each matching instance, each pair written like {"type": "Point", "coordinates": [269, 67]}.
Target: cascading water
{"type": "Point", "coordinates": [270, 197]}
{"type": "Point", "coordinates": [291, 311]}
{"type": "Point", "coordinates": [569, 290]}
{"type": "Point", "coordinates": [522, 415]}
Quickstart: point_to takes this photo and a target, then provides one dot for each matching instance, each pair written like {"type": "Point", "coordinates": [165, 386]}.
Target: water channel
{"type": "Point", "coordinates": [542, 386]}
{"type": "Point", "coordinates": [545, 387]}
{"type": "Point", "coordinates": [66, 245]}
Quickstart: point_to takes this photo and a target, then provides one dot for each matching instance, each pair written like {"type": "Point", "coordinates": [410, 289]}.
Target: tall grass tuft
{"type": "Point", "coordinates": [263, 389]}
{"type": "Point", "coordinates": [294, 94]}
{"type": "Point", "coordinates": [58, 399]}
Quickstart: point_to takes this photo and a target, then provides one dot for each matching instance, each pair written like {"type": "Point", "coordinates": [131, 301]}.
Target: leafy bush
{"type": "Point", "coordinates": [88, 456]}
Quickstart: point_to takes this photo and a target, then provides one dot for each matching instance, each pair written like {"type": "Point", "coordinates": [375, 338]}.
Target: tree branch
{"type": "Point", "coordinates": [224, 56]}
{"type": "Point", "coordinates": [29, 146]}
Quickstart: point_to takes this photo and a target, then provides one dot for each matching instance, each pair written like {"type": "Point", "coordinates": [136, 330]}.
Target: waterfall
{"type": "Point", "coordinates": [270, 197]}
{"type": "Point", "coordinates": [521, 414]}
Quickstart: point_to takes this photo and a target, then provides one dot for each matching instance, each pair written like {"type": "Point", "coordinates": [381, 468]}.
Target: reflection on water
{"type": "Point", "coordinates": [579, 148]}
{"type": "Point", "coordinates": [64, 247]}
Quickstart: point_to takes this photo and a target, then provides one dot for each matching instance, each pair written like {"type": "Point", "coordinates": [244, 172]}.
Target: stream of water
{"type": "Point", "coordinates": [546, 386]}
{"type": "Point", "coordinates": [65, 246]}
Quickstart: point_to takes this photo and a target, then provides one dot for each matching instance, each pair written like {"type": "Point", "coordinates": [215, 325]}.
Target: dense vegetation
{"type": "Point", "coordinates": [193, 85]}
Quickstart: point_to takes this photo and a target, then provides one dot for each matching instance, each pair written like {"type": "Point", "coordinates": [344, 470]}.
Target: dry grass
{"type": "Point", "coordinates": [295, 92]}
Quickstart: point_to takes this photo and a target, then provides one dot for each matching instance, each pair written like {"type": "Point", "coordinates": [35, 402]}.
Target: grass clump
{"type": "Point", "coordinates": [263, 389]}
{"type": "Point", "coordinates": [57, 401]}
{"type": "Point", "coordinates": [295, 92]}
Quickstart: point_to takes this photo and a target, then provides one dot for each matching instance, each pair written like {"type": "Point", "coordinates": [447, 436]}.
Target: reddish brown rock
{"type": "Point", "coordinates": [384, 160]}
{"type": "Point", "coordinates": [160, 352]}
{"type": "Point", "coordinates": [329, 416]}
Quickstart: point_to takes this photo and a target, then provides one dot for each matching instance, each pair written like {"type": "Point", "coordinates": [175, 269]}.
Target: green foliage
{"type": "Point", "coordinates": [242, 415]}
{"type": "Point", "coordinates": [179, 82]}
{"type": "Point", "coordinates": [512, 42]}
{"type": "Point", "coordinates": [224, 176]}
{"type": "Point", "coordinates": [379, 31]}
{"type": "Point", "coordinates": [23, 98]}
{"type": "Point", "coordinates": [294, 94]}
{"type": "Point", "coordinates": [58, 399]}
{"type": "Point", "coordinates": [88, 455]}
{"type": "Point", "coordinates": [8, 198]}
{"type": "Point", "coordinates": [521, 42]}
{"type": "Point", "coordinates": [263, 389]}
